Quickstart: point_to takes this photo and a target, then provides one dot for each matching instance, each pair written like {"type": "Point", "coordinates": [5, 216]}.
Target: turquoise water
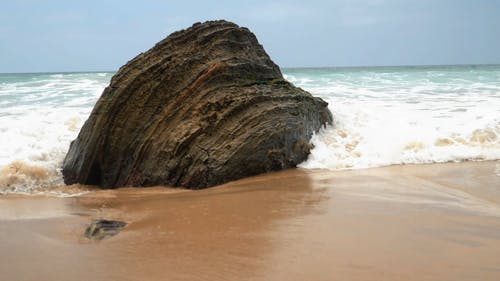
{"type": "Point", "coordinates": [383, 116]}
{"type": "Point", "coordinates": [51, 89]}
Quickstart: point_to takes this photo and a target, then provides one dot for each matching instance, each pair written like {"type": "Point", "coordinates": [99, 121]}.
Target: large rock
{"type": "Point", "coordinates": [203, 107]}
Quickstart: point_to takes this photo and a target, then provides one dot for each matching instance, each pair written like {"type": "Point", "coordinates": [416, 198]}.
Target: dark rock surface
{"type": "Point", "coordinates": [100, 229]}
{"type": "Point", "coordinates": [202, 107]}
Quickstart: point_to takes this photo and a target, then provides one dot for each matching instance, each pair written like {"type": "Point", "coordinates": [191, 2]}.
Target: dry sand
{"type": "Point", "coordinates": [425, 222]}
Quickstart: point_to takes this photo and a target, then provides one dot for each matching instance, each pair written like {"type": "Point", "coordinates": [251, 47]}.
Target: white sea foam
{"type": "Point", "coordinates": [39, 116]}
{"type": "Point", "coordinates": [397, 117]}
{"type": "Point", "coordinates": [382, 117]}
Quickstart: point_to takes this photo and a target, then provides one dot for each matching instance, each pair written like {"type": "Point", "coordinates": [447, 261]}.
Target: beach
{"type": "Point", "coordinates": [405, 185]}
{"type": "Point", "coordinates": [250, 141]}
{"type": "Point", "coordinates": [406, 222]}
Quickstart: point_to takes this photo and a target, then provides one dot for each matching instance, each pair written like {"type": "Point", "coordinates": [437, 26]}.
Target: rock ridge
{"type": "Point", "coordinates": [204, 106]}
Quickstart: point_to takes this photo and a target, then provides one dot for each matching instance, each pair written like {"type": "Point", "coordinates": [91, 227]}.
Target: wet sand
{"type": "Point", "coordinates": [425, 222]}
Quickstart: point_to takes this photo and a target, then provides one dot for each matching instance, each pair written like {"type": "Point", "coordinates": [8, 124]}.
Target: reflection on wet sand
{"type": "Point", "coordinates": [436, 222]}
{"type": "Point", "coordinates": [189, 234]}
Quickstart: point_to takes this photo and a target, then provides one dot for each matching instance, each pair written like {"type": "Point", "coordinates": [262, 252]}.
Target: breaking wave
{"type": "Point", "coordinates": [405, 115]}
{"type": "Point", "coordinates": [382, 116]}
{"type": "Point", "coordinates": [40, 114]}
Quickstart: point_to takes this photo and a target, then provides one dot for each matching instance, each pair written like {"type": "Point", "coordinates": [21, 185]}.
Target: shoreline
{"type": "Point", "coordinates": [406, 222]}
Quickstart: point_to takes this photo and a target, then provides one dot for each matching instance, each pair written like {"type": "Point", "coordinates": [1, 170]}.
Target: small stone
{"type": "Point", "coordinates": [100, 229]}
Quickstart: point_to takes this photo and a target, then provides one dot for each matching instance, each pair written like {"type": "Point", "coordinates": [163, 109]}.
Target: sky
{"type": "Point", "coordinates": [100, 35]}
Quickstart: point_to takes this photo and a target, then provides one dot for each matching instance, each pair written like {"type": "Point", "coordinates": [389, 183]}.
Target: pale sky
{"type": "Point", "coordinates": [92, 35]}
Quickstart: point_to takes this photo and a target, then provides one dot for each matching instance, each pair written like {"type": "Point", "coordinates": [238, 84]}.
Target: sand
{"type": "Point", "coordinates": [413, 222]}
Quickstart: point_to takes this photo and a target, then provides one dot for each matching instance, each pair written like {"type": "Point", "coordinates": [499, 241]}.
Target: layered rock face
{"type": "Point", "coordinates": [202, 107]}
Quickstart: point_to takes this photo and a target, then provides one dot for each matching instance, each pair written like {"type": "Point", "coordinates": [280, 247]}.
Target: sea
{"type": "Point", "coordinates": [382, 116]}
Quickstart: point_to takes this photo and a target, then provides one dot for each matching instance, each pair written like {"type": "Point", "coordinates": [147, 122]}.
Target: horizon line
{"type": "Point", "coordinates": [284, 67]}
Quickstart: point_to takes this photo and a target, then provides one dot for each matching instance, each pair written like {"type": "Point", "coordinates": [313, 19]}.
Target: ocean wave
{"type": "Point", "coordinates": [40, 114]}
{"type": "Point", "coordinates": [338, 148]}
{"type": "Point", "coordinates": [405, 119]}
{"type": "Point", "coordinates": [380, 118]}
{"type": "Point", "coordinates": [20, 176]}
